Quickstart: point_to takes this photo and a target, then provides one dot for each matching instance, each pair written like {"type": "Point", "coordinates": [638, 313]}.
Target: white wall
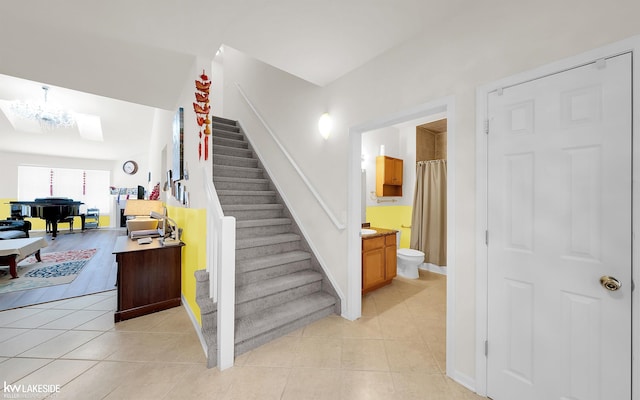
{"type": "Point", "coordinates": [399, 142]}
{"type": "Point", "coordinates": [452, 60]}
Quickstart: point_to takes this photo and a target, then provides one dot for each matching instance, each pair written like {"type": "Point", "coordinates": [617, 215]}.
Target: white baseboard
{"type": "Point", "coordinates": [196, 325]}
{"type": "Point", "coordinates": [434, 268]}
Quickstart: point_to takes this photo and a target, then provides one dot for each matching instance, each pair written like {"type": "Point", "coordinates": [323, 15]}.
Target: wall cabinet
{"type": "Point", "coordinates": [378, 261]}
{"type": "Point", "coordinates": [388, 176]}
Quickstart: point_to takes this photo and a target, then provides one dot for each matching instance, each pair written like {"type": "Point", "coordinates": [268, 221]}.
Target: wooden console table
{"type": "Point", "coordinates": [149, 277]}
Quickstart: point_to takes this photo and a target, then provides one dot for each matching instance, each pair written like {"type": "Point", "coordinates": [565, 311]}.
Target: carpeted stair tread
{"type": "Point", "coordinates": [278, 284]}
{"type": "Point", "coordinates": [224, 141]}
{"type": "Point", "coordinates": [217, 125]}
{"type": "Point", "coordinates": [266, 240]}
{"type": "Point", "coordinates": [246, 193]}
{"type": "Point", "coordinates": [252, 223]}
{"type": "Point", "coordinates": [259, 323]}
{"type": "Point", "coordinates": [232, 150]}
{"type": "Point", "coordinates": [241, 172]}
{"type": "Point", "coordinates": [252, 207]}
{"type": "Point", "coordinates": [254, 264]}
{"type": "Point", "coordinates": [223, 120]}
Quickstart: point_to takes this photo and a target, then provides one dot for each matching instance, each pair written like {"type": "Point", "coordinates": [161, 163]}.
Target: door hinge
{"type": "Point", "coordinates": [486, 348]}
{"type": "Point", "coordinates": [486, 126]}
{"type": "Point", "coordinates": [486, 237]}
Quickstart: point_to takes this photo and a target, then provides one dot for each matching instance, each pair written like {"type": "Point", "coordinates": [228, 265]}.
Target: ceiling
{"type": "Point", "coordinates": [107, 58]}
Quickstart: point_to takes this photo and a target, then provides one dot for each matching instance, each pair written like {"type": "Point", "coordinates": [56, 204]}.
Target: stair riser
{"type": "Point", "coordinates": [257, 231]}
{"type": "Point", "coordinates": [235, 162]}
{"type": "Point", "coordinates": [231, 151]}
{"type": "Point", "coordinates": [258, 340]}
{"type": "Point", "coordinates": [252, 199]}
{"type": "Point", "coordinates": [247, 215]}
{"type": "Point", "coordinates": [256, 186]}
{"type": "Point", "coordinates": [253, 173]}
{"type": "Point", "coordinates": [260, 251]}
{"type": "Point", "coordinates": [225, 133]}
{"type": "Point", "coordinates": [244, 278]}
{"type": "Point", "coordinates": [229, 142]}
{"type": "Point", "coordinates": [226, 127]}
{"type": "Point", "coordinates": [262, 303]}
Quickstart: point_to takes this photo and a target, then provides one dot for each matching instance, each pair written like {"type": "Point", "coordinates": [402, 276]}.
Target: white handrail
{"type": "Point", "coordinates": [315, 193]}
{"type": "Point", "coordinates": [221, 266]}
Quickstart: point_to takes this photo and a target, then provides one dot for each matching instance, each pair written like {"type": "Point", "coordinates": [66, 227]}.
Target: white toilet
{"type": "Point", "coordinates": [408, 260]}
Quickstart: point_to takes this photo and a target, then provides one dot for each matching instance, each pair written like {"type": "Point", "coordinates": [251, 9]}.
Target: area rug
{"type": "Point", "coordinates": [55, 269]}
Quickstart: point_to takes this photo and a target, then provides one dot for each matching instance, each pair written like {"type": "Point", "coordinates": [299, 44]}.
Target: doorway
{"type": "Point", "coordinates": [444, 108]}
{"type": "Point", "coordinates": [561, 190]}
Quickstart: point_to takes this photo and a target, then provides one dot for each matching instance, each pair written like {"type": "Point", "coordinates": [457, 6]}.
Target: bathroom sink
{"type": "Point", "coordinates": [364, 231]}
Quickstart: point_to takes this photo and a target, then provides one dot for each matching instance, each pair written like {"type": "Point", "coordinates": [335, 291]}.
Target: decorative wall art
{"type": "Point", "coordinates": [178, 145]}
{"type": "Point", "coordinates": [202, 109]}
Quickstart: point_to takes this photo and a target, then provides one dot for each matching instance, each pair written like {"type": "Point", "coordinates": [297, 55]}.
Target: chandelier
{"type": "Point", "coordinates": [47, 115]}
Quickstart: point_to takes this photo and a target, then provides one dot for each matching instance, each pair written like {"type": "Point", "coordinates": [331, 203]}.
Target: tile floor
{"type": "Point", "coordinates": [395, 351]}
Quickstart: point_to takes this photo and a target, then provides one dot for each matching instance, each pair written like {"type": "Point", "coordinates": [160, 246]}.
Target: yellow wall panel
{"type": "Point", "coordinates": [392, 217]}
{"type": "Point", "coordinates": [194, 254]}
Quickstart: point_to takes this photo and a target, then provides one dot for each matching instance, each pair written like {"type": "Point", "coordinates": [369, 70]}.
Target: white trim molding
{"type": "Point", "coordinates": [354, 273]}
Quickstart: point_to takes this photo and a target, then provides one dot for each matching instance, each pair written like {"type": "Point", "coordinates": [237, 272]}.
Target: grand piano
{"type": "Point", "coordinates": [51, 209]}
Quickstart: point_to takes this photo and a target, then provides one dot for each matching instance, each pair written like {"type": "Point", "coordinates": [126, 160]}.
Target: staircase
{"type": "Point", "coordinates": [280, 286]}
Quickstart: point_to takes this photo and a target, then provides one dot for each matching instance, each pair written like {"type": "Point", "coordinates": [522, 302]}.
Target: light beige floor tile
{"type": "Point", "coordinates": [99, 381]}
{"type": "Point", "coordinates": [58, 372]}
{"type": "Point", "coordinates": [422, 386]}
{"type": "Point", "coordinates": [99, 348]}
{"type": "Point", "coordinates": [151, 382]}
{"type": "Point", "coordinates": [368, 306]}
{"type": "Point", "coordinates": [61, 344]}
{"type": "Point", "coordinates": [364, 327]}
{"type": "Point", "coordinates": [8, 333]}
{"type": "Point", "coordinates": [366, 385]}
{"type": "Point", "coordinates": [312, 384]}
{"type": "Point", "coordinates": [277, 353]}
{"type": "Point", "coordinates": [76, 303]}
{"type": "Point", "coordinates": [103, 322]}
{"type": "Point", "coordinates": [406, 356]}
{"type": "Point", "coordinates": [14, 369]}
{"type": "Point", "coordinates": [318, 352]}
{"type": "Point", "coordinates": [330, 326]}
{"type": "Point", "coordinates": [145, 323]}
{"type": "Point", "coordinates": [257, 383]}
{"type": "Point", "coordinates": [364, 354]}
{"type": "Point", "coordinates": [177, 320]}
{"type": "Point", "coordinates": [27, 340]}
{"type": "Point", "coordinates": [73, 320]}
{"type": "Point", "coordinates": [399, 327]}
{"type": "Point", "coordinates": [10, 316]}
{"type": "Point", "coordinates": [202, 383]}
{"type": "Point", "coordinates": [105, 303]}
{"type": "Point", "coordinates": [40, 319]}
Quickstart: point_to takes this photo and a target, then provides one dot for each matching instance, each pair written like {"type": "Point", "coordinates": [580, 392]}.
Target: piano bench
{"type": "Point", "coordinates": [6, 235]}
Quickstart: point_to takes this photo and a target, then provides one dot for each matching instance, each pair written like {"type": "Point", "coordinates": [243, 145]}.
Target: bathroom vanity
{"type": "Point", "coordinates": [378, 258]}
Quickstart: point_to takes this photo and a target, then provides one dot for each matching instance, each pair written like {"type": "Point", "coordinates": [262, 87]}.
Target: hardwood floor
{"type": "Point", "coordinates": [98, 275]}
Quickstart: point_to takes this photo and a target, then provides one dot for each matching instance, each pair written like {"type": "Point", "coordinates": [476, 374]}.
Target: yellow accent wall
{"type": "Point", "coordinates": [194, 254]}
{"type": "Point", "coordinates": [392, 217]}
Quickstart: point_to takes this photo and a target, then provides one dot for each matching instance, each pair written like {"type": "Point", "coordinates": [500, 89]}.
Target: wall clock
{"type": "Point", "coordinates": [130, 167]}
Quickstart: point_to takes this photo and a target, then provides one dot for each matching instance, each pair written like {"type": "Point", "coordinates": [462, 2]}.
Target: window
{"type": "Point", "coordinates": [88, 186]}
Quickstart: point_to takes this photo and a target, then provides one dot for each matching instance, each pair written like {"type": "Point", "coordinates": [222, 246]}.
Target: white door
{"type": "Point", "coordinates": [559, 219]}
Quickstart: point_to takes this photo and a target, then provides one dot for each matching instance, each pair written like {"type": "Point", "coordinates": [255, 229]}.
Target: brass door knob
{"type": "Point", "coordinates": [610, 283]}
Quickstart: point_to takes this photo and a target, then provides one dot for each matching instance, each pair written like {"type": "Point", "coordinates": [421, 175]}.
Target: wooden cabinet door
{"type": "Point", "coordinates": [373, 271]}
{"type": "Point", "coordinates": [390, 255]}
{"type": "Point", "coordinates": [394, 172]}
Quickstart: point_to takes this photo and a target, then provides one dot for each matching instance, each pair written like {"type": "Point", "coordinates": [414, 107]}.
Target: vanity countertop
{"type": "Point", "coordinates": [379, 232]}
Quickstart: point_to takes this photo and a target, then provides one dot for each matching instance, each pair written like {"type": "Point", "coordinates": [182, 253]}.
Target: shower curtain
{"type": "Point", "coordinates": [429, 219]}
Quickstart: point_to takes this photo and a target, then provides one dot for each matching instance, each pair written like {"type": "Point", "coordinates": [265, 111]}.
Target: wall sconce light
{"type": "Point", "coordinates": [324, 125]}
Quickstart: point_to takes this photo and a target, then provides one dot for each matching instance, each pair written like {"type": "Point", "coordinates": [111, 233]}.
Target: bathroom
{"type": "Point", "coordinates": [412, 141]}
